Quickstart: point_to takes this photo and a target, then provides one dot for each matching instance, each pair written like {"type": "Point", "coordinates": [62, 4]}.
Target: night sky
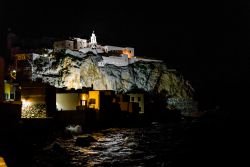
{"type": "Point", "coordinates": [208, 42]}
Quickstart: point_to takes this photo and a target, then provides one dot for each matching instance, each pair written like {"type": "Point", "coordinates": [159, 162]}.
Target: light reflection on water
{"type": "Point", "coordinates": [123, 147]}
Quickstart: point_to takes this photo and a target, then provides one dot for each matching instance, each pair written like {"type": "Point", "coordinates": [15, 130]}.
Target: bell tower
{"type": "Point", "coordinates": [93, 41]}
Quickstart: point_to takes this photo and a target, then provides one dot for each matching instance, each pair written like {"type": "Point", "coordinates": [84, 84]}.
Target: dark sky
{"type": "Point", "coordinates": [206, 41]}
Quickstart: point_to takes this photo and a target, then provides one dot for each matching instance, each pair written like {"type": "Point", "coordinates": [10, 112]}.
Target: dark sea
{"type": "Point", "coordinates": [211, 140]}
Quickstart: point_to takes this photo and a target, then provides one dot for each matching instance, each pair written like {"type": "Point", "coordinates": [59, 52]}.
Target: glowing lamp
{"type": "Point", "coordinates": [127, 52]}
{"type": "Point", "coordinates": [84, 96]}
{"type": "Point", "coordinates": [2, 162]}
{"type": "Point", "coordinates": [13, 74]}
{"type": "Point", "coordinates": [25, 103]}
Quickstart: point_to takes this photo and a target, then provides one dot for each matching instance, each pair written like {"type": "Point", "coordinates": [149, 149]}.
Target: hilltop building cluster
{"type": "Point", "coordinates": [118, 56]}
{"type": "Point", "coordinates": [39, 100]}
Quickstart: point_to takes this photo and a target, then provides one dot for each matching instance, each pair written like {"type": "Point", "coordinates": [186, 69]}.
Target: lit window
{"type": "Point", "coordinates": [83, 102]}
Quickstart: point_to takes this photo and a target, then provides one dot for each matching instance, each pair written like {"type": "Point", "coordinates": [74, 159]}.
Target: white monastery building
{"type": "Point", "coordinates": [119, 56]}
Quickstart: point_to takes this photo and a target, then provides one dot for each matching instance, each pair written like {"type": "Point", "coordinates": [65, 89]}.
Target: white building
{"type": "Point", "coordinates": [80, 43]}
{"type": "Point", "coordinates": [115, 60]}
{"type": "Point", "coordinates": [76, 43]}
{"type": "Point", "coordinates": [67, 101]}
{"type": "Point", "coordinates": [135, 59]}
{"type": "Point", "coordinates": [93, 41]}
{"type": "Point", "coordinates": [119, 56]}
{"type": "Point", "coordinates": [124, 50]}
{"type": "Point", "coordinates": [122, 60]}
{"type": "Point", "coordinates": [94, 50]}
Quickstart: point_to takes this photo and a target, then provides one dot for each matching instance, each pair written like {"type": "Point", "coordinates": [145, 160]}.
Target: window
{"type": "Point", "coordinates": [139, 98]}
{"type": "Point", "coordinates": [6, 96]}
{"type": "Point", "coordinates": [12, 96]}
{"type": "Point", "coordinates": [91, 101]}
{"type": "Point", "coordinates": [83, 102]}
{"type": "Point", "coordinates": [132, 98]}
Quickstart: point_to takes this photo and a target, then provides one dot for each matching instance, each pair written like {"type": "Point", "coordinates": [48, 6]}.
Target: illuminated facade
{"type": "Point", "coordinates": [115, 60]}
{"type": "Point", "coordinates": [38, 100]}
{"type": "Point", "coordinates": [118, 56]}
{"type": "Point", "coordinates": [130, 52]}
{"type": "Point", "coordinates": [1, 79]}
{"type": "Point", "coordinates": [93, 41]}
{"type": "Point", "coordinates": [94, 99]}
{"type": "Point", "coordinates": [10, 90]}
{"type": "Point", "coordinates": [76, 43]}
{"type": "Point", "coordinates": [2, 162]}
{"type": "Point", "coordinates": [80, 43]}
{"type": "Point", "coordinates": [100, 99]}
{"type": "Point", "coordinates": [67, 101]}
{"type": "Point", "coordinates": [65, 44]}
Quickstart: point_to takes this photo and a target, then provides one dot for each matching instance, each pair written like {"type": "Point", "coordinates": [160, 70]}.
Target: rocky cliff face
{"type": "Point", "coordinates": [74, 71]}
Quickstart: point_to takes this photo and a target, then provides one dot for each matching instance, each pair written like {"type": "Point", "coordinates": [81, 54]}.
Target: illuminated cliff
{"type": "Point", "coordinates": [72, 70]}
